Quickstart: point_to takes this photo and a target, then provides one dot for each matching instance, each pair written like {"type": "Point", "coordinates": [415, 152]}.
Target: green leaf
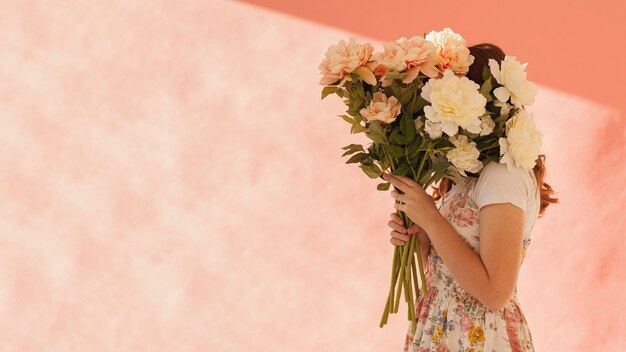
{"type": "Point", "coordinates": [355, 105]}
{"type": "Point", "coordinates": [406, 96]}
{"type": "Point", "coordinates": [352, 148]}
{"type": "Point", "coordinates": [501, 118]}
{"type": "Point", "coordinates": [328, 90]}
{"type": "Point", "coordinates": [485, 89]}
{"type": "Point", "coordinates": [440, 164]}
{"type": "Point", "coordinates": [453, 174]}
{"type": "Point", "coordinates": [376, 137]}
{"type": "Point", "coordinates": [385, 163]}
{"type": "Point", "coordinates": [397, 138]}
{"type": "Point", "coordinates": [423, 143]}
{"type": "Point", "coordinates": [393, 74]}
{"type": "Point", "coordinates": [426, 177]}
{"type": "Point", "coordinates": [360, 91]}
{"type": "Point", "coordinates": [348, 119]}
{"type": "Point", "coordinates": [383, 186]}
{"type": "Point", "coordinates": [407, 126]}
{"type": "Point", "coordinates": [402, 169]}
{"type": "Point", "coordinates": [357, 158]}
{"type": "Point", "coordinates": [486, 74]}
{"type": "Point", "coordinates": [357, 129]}
{"type": "Point", "coordinates": [394, 150]}
{"type": "Point", "coordinates": [419, 103]}
{"type": "Point", "coordinates": [371, 170]}
{"type": "Point", "coordinates": [438, 169]}
{"type": "Point", "coordinates": [376, 132]}
{"type": "Point", "coordinates": [443, 142]}
{"type": "Point", "coordinates": [413, 150]}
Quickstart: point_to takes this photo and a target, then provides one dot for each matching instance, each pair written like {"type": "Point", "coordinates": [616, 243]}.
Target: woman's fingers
{"type": "Point", "coordinates": [400, 236]}
{"type": "Point", "coordinates": [396, 227]}
{"type": "Point", "coordinates": [396, 241]}
{"type": "Point", "coordinates": [395, 218]}
{"type": "Point", "coordinates": [414, 229]}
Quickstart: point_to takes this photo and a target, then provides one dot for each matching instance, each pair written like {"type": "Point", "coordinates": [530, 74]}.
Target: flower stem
{"type": "Point", "coordinates": [394, 274]}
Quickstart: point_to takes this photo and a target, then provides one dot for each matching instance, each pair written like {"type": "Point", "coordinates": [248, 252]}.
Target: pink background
{"type": "Point", "coordinates": [171, 181]}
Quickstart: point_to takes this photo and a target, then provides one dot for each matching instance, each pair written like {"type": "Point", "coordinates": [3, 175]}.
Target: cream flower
{"type": "Point", "coordinates": [434, 129]}
{"type": "Point", "coordinates": [510, 73]}
{"type": "Point", "coordinates": [455, 101]}
{"type": "Point", "coordinates": [452, 50]}
{"type": "Point", "coordinates": [522, 142]}
{"type": "Point", "coordinates": [465, 156]}
{"type": "Point", "coordinates": [342, 59]}
{"type": "Point", "coordinates": [419, 123]}
{"type": "Point", "coordinates": [487, 124]}
{"type": "Point", "coordinates": [413, 55]}
{"type": "Point", "coordinates": [504, 107]}
{"type": "Point", "coordinates": [382, 108]}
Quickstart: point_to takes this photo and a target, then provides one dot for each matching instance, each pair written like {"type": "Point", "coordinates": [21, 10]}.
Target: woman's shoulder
{"type": "Point", "coordinates": [498, 181]}
{"type": "Point", "coordinates": [506, 172]}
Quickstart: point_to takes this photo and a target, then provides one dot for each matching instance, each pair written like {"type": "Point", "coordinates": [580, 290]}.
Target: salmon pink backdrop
{"type": "Point", "coordinates": [171, 181]}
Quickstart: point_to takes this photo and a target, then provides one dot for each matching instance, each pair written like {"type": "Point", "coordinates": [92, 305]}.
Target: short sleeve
{"type": "Point", "coordinates": [497, 184]}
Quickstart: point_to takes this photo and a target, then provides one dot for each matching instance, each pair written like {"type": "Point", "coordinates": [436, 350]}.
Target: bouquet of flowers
{"type": "Point", "coordinates": [426, 120]}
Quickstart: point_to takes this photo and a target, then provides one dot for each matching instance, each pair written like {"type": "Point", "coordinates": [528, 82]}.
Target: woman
{"type": "Point", "coordinates": [473, 237]}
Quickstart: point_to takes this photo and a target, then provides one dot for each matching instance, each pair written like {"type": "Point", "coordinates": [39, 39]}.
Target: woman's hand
{"type": "Point", "coordinates": [414, 202]}
{"type": "Point", "coordinates": [400, 234]}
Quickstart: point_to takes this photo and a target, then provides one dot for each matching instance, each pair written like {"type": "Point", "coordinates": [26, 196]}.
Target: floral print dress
{"type": "Point", "coordinates": [449, 318]}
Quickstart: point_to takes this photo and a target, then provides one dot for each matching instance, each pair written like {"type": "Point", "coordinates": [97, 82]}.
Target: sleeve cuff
{"type": "Point", "coordinates": [492, 200]}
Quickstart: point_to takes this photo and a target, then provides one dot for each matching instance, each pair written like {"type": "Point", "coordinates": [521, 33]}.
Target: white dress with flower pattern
{"type": "Point", "coordinates": [450, 319]}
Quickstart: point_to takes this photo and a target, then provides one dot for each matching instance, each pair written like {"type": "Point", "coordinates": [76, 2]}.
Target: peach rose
{"type": "Point", "coordinates": [452, 50]}
{"type": "Point", "coordinates": [382, 108]}
{"type": "Point", "coordinates": [377, 69]}
{"type": "Point", "coordinates": [413, 55]}
{"type": "Point", "coordinates": [342, 59]}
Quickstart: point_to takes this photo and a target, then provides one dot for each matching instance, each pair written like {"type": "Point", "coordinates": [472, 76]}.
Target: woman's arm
{"type": "Point", "coordinates": [490, 276]}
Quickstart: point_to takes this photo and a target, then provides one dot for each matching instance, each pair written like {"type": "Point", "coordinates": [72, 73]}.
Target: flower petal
{"type": "Point", "coordinates": [502, 94]}
{"type": "Point", "coordinates": [495, 70]}
{"type": "Point", "coordinates": [366, 75]}
{"type": "Point", "coordinates": [449, 127]}
{"type": "Point", "coordinates": [411, 75]}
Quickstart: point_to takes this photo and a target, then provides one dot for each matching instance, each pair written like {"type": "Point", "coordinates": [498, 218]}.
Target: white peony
{"type": "Point", "coordinates": [434, 129]}
{"type": "Point", "coordinates": [465, 156]}
{"type": "Point", "coordinates": [419, 122]}
{"type": "Point", "coordinates": [504, 107]}
{"type": "Point", "coordinates": [511, 75]}
{"type": "Point", "coordinates": [455, 101]}
{"type": "Point", "coordinates": [522, 142]}
{"type": "Point", "coordinates": [487, 124]}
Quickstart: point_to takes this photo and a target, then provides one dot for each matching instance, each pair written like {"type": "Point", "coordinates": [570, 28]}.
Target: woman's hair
{"type": "Point", "coordinates": [482, 53]}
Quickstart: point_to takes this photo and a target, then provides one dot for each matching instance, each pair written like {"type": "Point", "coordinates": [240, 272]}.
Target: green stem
{"type": "Point", "coordinates": [419, 171]}
{"type": "Point", "coordinates": [422, 276]}
{"type": "Point", "coordinates": [489, 147]}
{"type": "Point", "coordinates": [413, 241]}
{"type": "Point", "coordinates": [406, 154]}
{"type": "Point", "coordinates": [405, 252]}
{"type": "Point", "coordinates": [394, 274]}
{"type": "Point", "coordinates": [415, 282]}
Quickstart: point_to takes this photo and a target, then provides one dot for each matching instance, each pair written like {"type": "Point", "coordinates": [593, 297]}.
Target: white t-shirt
{"type": "Point", "coordinates": [496, 184]}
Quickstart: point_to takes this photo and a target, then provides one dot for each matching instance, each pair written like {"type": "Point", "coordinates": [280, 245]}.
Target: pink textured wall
{"type": "Point", "coordinates": [171, 181]}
